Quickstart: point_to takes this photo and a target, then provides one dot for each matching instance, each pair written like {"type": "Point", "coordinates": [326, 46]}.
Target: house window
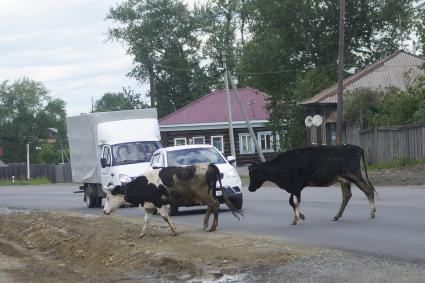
{"type": "Point", "coordinates": [198, 140]}
{"type": "Point", "coordinates": [217, 141]}
{"type": "Point", "coordinates": [179, 141]}
{"type": "Point", "coordinates": [265, 140]}
{"type": "Point", "coordinates": [246, 144]}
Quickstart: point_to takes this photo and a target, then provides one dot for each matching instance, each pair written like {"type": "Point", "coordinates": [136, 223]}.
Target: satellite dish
{"type": "Point", "coordinates": [317, 120]}
{"type": "Point", "coordinates": [308, 121]}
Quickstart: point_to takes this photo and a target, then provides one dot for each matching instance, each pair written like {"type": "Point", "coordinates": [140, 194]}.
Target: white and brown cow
{"type": "Point", "coordinates": [171, 186]}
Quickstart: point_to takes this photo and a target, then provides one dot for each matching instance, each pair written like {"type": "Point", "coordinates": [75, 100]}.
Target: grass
{"type": "Point", "coordinates": [399, 162]}
{"type": "Point", "coordinates": [37, 181]}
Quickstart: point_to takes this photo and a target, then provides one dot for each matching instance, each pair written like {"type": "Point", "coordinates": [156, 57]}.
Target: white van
{"type": "Point", "coordinates": [110, 147]}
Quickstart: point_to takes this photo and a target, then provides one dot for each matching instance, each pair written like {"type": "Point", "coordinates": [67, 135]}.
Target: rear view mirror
{"type": "Point", "coordinates": [103, 162]}
{"type": "Point", "coordinates": [231, 159]}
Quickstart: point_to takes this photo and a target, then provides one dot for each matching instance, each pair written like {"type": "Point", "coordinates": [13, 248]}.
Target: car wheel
{"type": "Point", "coordinates": [238, 201]}
{"type": "Point", "coordinates": [173, 210]}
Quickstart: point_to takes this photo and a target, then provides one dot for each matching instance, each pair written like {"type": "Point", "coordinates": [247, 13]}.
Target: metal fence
{"type": "Point", "coordinates": [60, 173]}
{"type": "Point", "coordinates": [385, 144]}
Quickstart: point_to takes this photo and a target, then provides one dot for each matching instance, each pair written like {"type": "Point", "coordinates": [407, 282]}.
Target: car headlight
{"type": "Point", "coordinates": [124, 178]}
{"type": "Point", "coordinates": [231, 174]}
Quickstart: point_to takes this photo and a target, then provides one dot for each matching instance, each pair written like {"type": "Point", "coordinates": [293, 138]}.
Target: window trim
{"type": "Point", "coordinates": [270, 133]}
{"type": "Point", "coordinates": [198, 137]}
{"type": "Point", "coordinates": [176, 139]}
{"type": "Point", "coordinates": [222, 143]}
{"type": "Point", "coordinates": [240, 144]}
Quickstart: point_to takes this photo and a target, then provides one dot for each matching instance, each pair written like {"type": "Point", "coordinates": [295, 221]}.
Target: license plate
{"type": "Point", "coordinates": [218, 193]}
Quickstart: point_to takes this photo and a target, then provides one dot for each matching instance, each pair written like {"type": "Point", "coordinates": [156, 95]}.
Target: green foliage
{"type": "Point", "coordinates": [398, 162]}
{"type": "Point", "coordinates": [37, 181]}
{"type": "Point", "coordinates": [390, 108]}
{"type": "Point", "coordinates": [26, 113]}
{"type": "Point", "coordinates": [161, 36]}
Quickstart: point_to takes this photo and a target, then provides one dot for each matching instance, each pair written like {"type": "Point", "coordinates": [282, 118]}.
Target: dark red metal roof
{"type": "Point", "coordinates": [212, 108]}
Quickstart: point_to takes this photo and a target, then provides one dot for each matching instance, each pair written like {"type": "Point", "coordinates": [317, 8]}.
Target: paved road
{"type": "Point", "coordinates": [397, 232]}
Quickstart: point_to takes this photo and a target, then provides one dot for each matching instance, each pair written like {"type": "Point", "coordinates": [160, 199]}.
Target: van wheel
{"type": "Point", "coordinates": [173, 210]}
{"type": "Point", "coordinates": [90, 201]}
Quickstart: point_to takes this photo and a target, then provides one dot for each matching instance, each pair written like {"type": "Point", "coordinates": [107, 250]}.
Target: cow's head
{"type": "Point", "coordinates": [114, 199]}
{"type": "Point", "coordinates": [256, 178]}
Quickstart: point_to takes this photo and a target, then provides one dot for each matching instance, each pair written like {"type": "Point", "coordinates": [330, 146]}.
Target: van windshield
{"type": "Point", "coordinates": [134, 152]}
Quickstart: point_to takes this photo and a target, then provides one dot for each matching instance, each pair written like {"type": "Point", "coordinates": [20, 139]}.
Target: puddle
{"type": "Point", "coordinates": [8, 210]}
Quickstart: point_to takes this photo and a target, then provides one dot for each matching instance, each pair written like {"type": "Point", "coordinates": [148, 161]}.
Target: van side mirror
{"type": "Point", "coordinates": [231, 159]}
{"type": "Point", "coordinates": [103, 162]}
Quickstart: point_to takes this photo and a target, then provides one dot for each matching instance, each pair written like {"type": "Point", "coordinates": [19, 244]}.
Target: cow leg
{"type": "Point", "coordinates": [167, 219]}
{"type": "Point", "coordinates": [368, 189]}
{"type": "Point", "coordinates": [148, 213]}
{"type": "Point", "coordinates": [294, 201]}
{"type": "Point", "coordinates": [215, 207]}
{"type": "Point", "coordinates": [346, 195]}
{"type": "Point", "coordinates": [207, 217]}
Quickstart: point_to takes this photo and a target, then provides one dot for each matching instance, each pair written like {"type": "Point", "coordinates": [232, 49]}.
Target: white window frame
{"type": "Point", "coordinates": [241, 136]}
{"type": "Point", "coordinates": [199, 137]}
{"type": "Point", "coordinates": [266, 133]}
{"type": "Point", "coordinates": [221, 140]}
{"type": "Point", "coordinates": [179, 139]}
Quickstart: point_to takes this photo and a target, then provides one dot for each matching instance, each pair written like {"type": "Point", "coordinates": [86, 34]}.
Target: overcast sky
{"type": "Point", "coordinates": [62, 43]}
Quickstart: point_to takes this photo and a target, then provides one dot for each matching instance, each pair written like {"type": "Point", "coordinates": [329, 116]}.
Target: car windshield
{"type": "Point", "coordinates": [191, 156]}
{"type": "Point", "coordinates": [134, 152]}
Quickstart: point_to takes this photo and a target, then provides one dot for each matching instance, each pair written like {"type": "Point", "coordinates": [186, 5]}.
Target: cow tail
{"type": "Point", "coordinates": [213, 185]}
{"type": "Point", "coordinates": [367, 177]}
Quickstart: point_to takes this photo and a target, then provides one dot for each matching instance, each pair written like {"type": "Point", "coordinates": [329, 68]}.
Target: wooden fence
{"type": "Point", "coordinates": [385, 144]}
{"type": "Point", "coordinates": [55, 173]}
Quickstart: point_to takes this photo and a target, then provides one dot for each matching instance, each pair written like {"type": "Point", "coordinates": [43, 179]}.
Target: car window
{"type": "Point", "coordinates": [189, 156]}
{"type": "Point", "coordinates": [158, 159]}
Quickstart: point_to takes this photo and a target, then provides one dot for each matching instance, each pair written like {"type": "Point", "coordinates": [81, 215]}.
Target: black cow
{"type": "Point", "coordinates": [319, 166]}
{"type": "Point", "coordinates": [171, 185]}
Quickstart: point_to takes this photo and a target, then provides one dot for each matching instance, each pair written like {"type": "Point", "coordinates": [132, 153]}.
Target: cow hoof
{"type": "Point", "coordinates": [142, 235]}
{"type": "Point", "coordinates": [294, 222]}
{"type": "Point", "coordinates": [335, 218]}
{"type": "Point", "coordinates": [212, 229]}
{"type": "Point", "coordinates": [302, 216]}
{"type": "Point", "coordinates": [372, 216]}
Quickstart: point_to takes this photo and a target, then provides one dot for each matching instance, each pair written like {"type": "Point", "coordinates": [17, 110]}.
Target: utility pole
{"type": "Point", "coordinates": [28, 161]}
{"type": "Point", "coordinates": [340, 72]}
{"type": "Point", "coordinates": [251, 131]}
{"type": "Point", "coordinates": [229, 109]}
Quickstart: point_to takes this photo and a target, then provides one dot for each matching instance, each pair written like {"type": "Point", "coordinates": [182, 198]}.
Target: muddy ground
{"type": "Point", "coordinates": [45, 246]}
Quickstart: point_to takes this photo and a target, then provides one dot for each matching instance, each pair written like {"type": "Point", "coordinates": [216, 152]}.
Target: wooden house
{"type": "Point", "coordinates": [391, 72]}
{"type": "Point", "coordinates": [205, 121]}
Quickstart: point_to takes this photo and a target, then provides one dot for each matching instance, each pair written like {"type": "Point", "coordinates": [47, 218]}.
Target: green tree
{"type": "Point", "coordinates": [161, 36]}
{"type": "Point", "coordinates": [290, 37]}
{"type": "Point", "coordinates": [26, 113]}
{"type": "Point", "coordinates": [125, 100]}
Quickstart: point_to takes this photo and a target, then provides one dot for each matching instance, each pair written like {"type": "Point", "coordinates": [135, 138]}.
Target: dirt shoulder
{"type": "Point", "coordinates": [43, 246]}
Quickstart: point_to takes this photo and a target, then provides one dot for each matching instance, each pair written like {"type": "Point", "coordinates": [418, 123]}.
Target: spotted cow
{"type": "Point", "coordinates": [171, 186]}
{"type": "Point", "coordinates": [320, 166]}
